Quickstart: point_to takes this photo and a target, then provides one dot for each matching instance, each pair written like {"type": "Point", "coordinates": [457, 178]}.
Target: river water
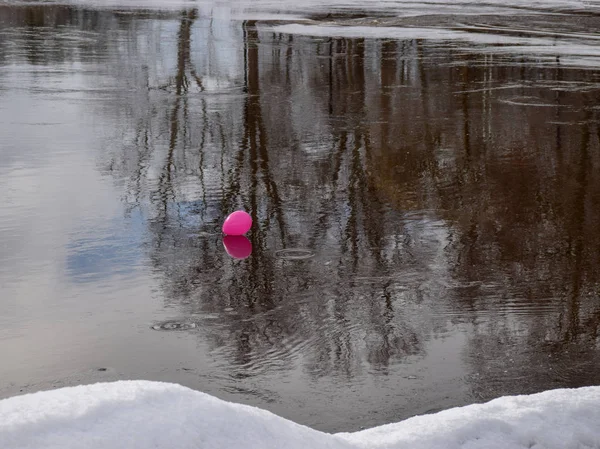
{"type": "Point", "coordinates": [424, 180]}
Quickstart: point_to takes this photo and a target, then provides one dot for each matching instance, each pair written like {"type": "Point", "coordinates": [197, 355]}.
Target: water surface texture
{"type": "Point", "coordinates": [424, 180]}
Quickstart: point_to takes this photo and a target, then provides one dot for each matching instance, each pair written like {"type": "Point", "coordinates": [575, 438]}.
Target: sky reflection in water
{"type": "Point", "coordinates": [425, 210]}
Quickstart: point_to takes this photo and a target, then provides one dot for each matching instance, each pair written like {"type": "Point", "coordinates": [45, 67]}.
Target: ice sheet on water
{"type": "Point", "coordinates": [574, 50]}
{"type": "Point", "coordinates": [562, 28]}
{"type": "Point", "coordinates": [142, 414]}
{"type": "Point", "coordinates": [412, 8]}
{"type": "Point", "coordinates": [402, 7]}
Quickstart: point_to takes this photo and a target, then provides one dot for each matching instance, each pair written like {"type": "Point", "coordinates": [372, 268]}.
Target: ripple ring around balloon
{"type": "Point", "coordinates": [174, 325]}
{"type": "Point", "coordinates": [294, 254]}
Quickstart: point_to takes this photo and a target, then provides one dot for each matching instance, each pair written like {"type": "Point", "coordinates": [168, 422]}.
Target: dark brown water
{"type": "Point", "coordinates": [426, 209]}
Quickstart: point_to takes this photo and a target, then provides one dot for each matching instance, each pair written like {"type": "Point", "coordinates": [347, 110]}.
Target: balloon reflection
{"type": "Point", "coordinates": [237, 246]}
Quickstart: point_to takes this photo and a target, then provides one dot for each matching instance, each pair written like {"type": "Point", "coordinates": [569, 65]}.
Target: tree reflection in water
{"type": "Point", "coordinates": [426, 191]}
{"type": "Point", "coordinates": [440, 192]}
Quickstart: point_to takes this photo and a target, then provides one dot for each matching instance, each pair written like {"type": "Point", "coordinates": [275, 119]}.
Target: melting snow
{"type": "Point", "coordinates": [142, 414]}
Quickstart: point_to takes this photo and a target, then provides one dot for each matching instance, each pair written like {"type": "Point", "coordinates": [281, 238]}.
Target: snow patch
{"type": "Point", "coordinates": [142, 414]}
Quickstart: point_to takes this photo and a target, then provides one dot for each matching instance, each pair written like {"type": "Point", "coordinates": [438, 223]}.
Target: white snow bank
{"type": "Point", "coordinates": [141, 414]}
{"type": "Point", "coordinates": [556, 419]}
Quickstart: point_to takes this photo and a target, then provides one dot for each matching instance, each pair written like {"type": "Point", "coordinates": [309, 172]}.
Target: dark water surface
{"type": "Point", "coordinates": [426, 209]}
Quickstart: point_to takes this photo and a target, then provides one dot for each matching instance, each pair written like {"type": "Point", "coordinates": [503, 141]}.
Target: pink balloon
{"type": "Point", "coordinates": [237, 223]}
{"type": "Point", "coordinates": [237, 246]}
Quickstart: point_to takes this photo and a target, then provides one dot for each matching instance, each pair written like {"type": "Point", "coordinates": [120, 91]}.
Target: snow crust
{"type": "Point", "coordinates": [143, 414]}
